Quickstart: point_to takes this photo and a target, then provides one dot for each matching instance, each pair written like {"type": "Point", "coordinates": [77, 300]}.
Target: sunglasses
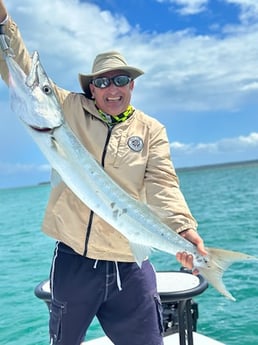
{"type": "Point", "coordinates": [119, 80]}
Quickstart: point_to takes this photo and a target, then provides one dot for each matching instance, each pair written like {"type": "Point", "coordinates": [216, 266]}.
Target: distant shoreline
{"type": "Point", "coordinates": [218, 165]}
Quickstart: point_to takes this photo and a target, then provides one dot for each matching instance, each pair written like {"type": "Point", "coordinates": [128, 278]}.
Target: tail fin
{"type": "Point", "coordinates": [218, 261]}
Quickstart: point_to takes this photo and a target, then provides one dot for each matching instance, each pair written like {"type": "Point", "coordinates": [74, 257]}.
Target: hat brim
{"type": "Point", "coordinates": [85, 79]}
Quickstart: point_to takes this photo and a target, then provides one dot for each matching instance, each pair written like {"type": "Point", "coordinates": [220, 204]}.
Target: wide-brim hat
{"type": "Point", "coordinates": [106, 62]}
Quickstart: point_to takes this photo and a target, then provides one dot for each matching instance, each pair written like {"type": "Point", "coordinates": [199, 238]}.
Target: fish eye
{"type": "Point", "coordinates": [46, 89]}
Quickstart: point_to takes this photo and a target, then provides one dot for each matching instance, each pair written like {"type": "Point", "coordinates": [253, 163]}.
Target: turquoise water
{"type": "Point", "coordinates": [223, 199]}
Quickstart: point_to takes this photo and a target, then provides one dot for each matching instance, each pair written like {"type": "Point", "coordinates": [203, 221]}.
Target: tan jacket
{"type": "Point", "coordinates": [147, 175]}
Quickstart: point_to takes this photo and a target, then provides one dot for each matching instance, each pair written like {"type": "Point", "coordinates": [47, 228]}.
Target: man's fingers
{"type": "Point", "coordinates": [185, 259]}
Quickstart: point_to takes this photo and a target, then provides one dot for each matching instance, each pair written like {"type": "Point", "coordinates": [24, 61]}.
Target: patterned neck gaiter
{"type": "Point", "coordinates": [112, 120]}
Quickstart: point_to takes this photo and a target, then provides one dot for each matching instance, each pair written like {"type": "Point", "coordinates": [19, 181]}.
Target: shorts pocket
{"type": "Point", "coordinates": [57, 310]}
{"type": "Point", "coordinates": [159, 310]}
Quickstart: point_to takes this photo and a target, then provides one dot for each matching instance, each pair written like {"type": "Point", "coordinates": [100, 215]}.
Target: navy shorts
{"type": "Point", "coordinates": [121, 295]}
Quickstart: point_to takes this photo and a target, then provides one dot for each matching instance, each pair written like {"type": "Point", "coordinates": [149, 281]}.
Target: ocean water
{"type": "Point", "coordinates": [223, 199]}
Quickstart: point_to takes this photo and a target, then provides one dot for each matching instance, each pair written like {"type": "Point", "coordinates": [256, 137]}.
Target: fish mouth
{"type": "Point", "coordinates": [36, 128]}
{"type": "Point", "coordinates": [41, 129]}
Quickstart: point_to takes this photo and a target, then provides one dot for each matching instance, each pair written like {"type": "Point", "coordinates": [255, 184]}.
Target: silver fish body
{"type": "Point", "coordinates": [34, 101]}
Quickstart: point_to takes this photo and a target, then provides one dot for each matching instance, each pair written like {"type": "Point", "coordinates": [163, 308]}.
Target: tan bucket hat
{"type": "Point", "coordinates": [107, 62]}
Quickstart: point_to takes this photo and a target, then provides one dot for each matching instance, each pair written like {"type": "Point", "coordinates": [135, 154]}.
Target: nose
{"type": "Point", "coordinates": [112, 87]}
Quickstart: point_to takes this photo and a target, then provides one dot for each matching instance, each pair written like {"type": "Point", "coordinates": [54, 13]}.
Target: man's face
{"type": "Point", "coordinates": [113, 99]}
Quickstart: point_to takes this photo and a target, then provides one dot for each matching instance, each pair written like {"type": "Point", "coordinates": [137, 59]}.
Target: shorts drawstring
{"type": "Point", "coordinates": [118, 280]}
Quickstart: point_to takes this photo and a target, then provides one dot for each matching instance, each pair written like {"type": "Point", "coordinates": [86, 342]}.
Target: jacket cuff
{"type": "Point", "coordinates": [5, 20]}
{"type": "Point", "coordinates": [187, 227]}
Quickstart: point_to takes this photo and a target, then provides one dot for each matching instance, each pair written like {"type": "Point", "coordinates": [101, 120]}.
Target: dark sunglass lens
{"type": "Point", "coordinates": [121, 80]}
{"type": "Point", "coordinates": [101, 82]}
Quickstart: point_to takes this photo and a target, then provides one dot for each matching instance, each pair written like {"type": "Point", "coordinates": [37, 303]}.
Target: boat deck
{"type": "Point", "coordinates": [172, 339]}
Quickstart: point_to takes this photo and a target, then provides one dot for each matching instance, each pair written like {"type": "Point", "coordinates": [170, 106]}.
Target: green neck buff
{"type": "Point", "coordinates": [112, 120]}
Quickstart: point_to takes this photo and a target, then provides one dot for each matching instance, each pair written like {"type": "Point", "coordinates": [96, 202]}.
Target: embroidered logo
{"type": "Point", "coordinates": [135, 143]}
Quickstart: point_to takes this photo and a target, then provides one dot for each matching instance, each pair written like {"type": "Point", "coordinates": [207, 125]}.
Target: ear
{"type": "Point", "coordinates": [131, 85]}
{"type": "Point", "coordinates": [92, 90]}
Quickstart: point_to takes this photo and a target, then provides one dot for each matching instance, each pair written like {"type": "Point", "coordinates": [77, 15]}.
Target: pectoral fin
{"type": "Point", "coordinates": [140, 252]}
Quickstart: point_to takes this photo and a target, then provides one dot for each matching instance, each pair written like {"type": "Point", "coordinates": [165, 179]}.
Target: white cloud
{"type": "Point", "coordinates": [250, 86]}
{"type": "Point", "coordinates": [227, 144]}
{"type": "Point", "coordinates": [180, 146]}
{"type": "Point", "coordinates": [188, 7]}
{"type": "Point", "coordinates": [251, 140]}
{"type": "Point", "coordinates": [248, 9]}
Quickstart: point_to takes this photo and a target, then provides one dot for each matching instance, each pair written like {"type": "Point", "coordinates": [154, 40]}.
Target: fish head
{"type": "Point", "coordinates": [33, 97]}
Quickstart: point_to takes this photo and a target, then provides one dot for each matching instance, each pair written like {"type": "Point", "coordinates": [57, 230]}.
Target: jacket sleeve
{"type": "Point", "coordinates": [22, 57]}
{"type": "Point", "coordinates": [162, 186]}
{"type": "Point", "coordinates": [21, 54]}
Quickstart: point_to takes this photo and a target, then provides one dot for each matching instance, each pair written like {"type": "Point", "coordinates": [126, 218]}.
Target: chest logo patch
{"type": "Point", "coordinates": [135, 143]}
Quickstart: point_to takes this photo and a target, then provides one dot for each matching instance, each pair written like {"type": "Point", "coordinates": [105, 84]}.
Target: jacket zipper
{"type": "Point", "coordinates": [92, 212]}
{"type": "Point", "coordinates": [105, 146]}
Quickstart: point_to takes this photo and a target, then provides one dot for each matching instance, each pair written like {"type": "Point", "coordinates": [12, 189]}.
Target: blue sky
{"type": "Point", "coordinates": [200, 60]}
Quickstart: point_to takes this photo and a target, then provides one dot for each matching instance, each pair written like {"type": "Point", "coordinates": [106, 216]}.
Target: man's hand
{"type": "Point", "coordinates": [186, 259]}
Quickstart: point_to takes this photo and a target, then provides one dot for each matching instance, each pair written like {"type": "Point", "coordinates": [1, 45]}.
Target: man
{"type": "Point", "coordinates": [93, 271]}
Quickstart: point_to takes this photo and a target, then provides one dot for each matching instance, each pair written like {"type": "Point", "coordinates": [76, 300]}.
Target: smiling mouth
{"type": "Point", "coordinates": [114, 99]}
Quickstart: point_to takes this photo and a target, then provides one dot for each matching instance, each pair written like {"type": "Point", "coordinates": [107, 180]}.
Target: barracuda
{"type": "Point", "coordinates": [35, 103]}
